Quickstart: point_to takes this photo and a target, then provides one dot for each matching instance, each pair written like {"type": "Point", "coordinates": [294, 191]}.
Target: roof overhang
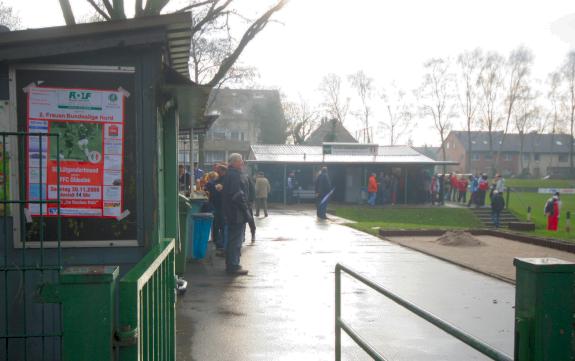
{"type": "Point", "coordinates": [191, 104]}
{"type": "Point", "coordinates": [173, 30]}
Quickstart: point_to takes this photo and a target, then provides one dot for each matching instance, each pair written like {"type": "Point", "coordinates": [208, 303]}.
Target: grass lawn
{"type": "Point", "coordinates": [519, 202]}
{"type": "Point", "coordinates": [540, 183]}
{"type": "Point", "coordinates": [406, 218]}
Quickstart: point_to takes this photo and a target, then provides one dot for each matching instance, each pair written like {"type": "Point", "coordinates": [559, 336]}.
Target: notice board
{"type": "Point", "coordinates": [93, 112]}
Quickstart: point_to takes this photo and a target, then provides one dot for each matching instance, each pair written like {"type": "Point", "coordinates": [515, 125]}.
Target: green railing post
{"type": "Point", "coordinates": [337, 312]}
{"type": "Point", "coordinates": [544, 308]}
{"type": "Point", "coordinates": [87, 298]}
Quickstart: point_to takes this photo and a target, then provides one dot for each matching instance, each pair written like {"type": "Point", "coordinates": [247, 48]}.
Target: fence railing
{"type": "Point", "coordinates": [340, 324]}
{"type": "Point", "coordinates": [28, 330]}
{"type": "Point", "coordinates": [147, 307]}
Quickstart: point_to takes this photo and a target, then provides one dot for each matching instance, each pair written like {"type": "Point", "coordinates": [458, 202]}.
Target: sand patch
{"type": "Point", "coordinates": [459, 239]}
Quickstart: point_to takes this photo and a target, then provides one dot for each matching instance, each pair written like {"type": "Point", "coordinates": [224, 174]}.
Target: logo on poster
{"type": "Point", "coordinates": [113, 98]}
{"type": "Point", "coordinates": [76, 95]}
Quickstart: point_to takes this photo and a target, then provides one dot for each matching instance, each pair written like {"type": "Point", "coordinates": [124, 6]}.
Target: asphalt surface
{"type": "Point", "coordinates": [284, 308]}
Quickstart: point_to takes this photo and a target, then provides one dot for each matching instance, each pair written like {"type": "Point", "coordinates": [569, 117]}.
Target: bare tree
{"type": "Point", "coordinates": [556, 106]}
{"type": "Point", "coordinates": [336, 105]}
{"type": "Point", "coordinates": [302, 118]}
{"type": "Point", "coordinates": [363, 85]}
{"type": "Point", "coordinates": [568, 75]}
{"type": "Point", "coordinates": [490, 88]}
{"type": "Point", "coordinates": [436, 97]}
{"type": "Point", "coordinates": [525, 117]}
{"type": "Point", "coordinates": [518, 68]}
{"type": "Point", "coordinates": [469, 63]}
{"type": "Point", "coordinates": [399, 119]}
{"type": "Point", "coordinates": [8, 17]}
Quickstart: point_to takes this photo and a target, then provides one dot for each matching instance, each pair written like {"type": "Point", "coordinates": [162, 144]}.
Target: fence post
{"type": "Point", "coordinates": [507, 200]}
{"type": "Point", "coordinates": [87, 298]}
{"type": "Point", "coordinates": [544, 309]}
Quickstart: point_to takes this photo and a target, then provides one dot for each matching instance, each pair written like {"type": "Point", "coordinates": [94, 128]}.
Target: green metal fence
{"type": "Point", "coordinates": [28, 330]}
{"type": "Point", "coordinates": [340, 324]}
{"type": "Point", "coordinates": [147, 307]}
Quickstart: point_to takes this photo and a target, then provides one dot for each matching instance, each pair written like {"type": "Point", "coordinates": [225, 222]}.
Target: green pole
{"type": "Point", "coordinates": [87, 298]}
{"type": "Point", "coordinates": [544, 307]}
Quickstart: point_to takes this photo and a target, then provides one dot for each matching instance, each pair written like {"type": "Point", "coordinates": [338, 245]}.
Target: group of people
{"type": "Point", "coordinates": [231, 196]}
{"type": "Point", "coordinates": [455, 188]}
{"type": "Point", "coordinates": [382, 189]}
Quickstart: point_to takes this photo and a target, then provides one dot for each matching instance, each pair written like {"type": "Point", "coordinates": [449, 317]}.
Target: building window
{"type": "Point", "coordinates": [219, 134]}
{"type": "Point", "coordinates": [215, 157]}
{"type": "Point", "coordinates": [237, 136]}
{"type": "Point", "coordinates": [488, 156]}
{"type": "Point", "coordinates": [507, 157]}
{"type": "Point", "coordinates": [536, 157]}
{"type": "Point", "coordinates": [526, 157]}
{"type": "Point", "coordinates": [475, 156]}
{"type": "Point", "coordinates": [447, 145]}
{"type": "Point", "coordinates": [563, 158]}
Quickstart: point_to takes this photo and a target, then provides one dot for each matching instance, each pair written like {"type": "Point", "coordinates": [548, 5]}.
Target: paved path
{"type": "Point", "coordinates": [495, 255]}
{"type": "Point", "coordinates": [284, 310]}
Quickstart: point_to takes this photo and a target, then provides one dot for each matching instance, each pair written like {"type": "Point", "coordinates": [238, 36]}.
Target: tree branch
{"type": "Point", "coordinates": [196, 5]}
{"type": "Point", "coordinates": [97, 8]}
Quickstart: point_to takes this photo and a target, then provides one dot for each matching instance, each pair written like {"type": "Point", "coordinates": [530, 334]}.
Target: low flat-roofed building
{"type": "Point", "coordinates": [349, 166]}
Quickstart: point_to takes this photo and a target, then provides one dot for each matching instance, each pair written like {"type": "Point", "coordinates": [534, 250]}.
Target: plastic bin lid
{"type": "Point", "coordinates": [202, 215]}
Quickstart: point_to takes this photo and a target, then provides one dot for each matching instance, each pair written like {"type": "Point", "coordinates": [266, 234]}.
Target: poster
{"type": "Point", "coordinates": [90, 125]}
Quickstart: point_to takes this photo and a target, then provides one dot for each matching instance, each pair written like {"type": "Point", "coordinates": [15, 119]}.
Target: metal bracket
{"type": "Point", "coordinates": [126, 336]}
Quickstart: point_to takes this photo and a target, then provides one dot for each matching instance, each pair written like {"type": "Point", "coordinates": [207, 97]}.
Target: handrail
{"type": "Point", "coordinates": [147, 307]}
{"type": "Point", "coordinates": [468, 339]}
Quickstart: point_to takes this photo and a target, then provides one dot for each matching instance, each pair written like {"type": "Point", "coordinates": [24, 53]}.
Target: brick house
{"type": "Point", "coordinates": [542, 154]}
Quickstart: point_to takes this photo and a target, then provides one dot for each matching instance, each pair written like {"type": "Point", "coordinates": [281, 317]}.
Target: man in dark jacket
{"type": "Point", "coordinates": [497, 205]}
{"type": "Point", "coordinates": [323, 191]}
{"type": "Point", "coordinates": [236, 211]}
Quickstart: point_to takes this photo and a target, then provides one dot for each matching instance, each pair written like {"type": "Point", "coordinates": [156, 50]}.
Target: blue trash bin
{"type": "Point", "coordinates": [202, 225]}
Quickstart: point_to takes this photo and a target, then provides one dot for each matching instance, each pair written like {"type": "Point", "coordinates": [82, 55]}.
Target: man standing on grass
{"type": "Point", "coordinates": [236, 211]}
{"type": "Point", "coordinates": [372, 190]}
{"type": "Point", "coordinates": [497, 205]}
{"type": "Point", "coordinates": [323, 192]}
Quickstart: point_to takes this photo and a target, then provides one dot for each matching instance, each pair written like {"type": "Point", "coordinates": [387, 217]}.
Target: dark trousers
{"type": "Point", "coordinates": [462, 197]}
{"type": "Point", "coordinates": [219, 230]}
{"type": "Point", "coordinates": [495, 215]}
{"type": "Point", "coordinates": [322, 207]}
{"type": "Point", "coordinates": [236, 235]}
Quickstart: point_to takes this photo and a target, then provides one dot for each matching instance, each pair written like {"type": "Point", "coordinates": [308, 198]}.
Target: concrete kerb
{"type": "Point", "coordinates": [536, 241]}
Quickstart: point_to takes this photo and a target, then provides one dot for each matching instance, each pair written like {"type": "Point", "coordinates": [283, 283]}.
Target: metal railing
{"type": "Point", "coordinates": [28, 330]}
{"type": "Point", "coordinates": [147, 307]}
{"type": "Point", "coordinates": [468, 339]}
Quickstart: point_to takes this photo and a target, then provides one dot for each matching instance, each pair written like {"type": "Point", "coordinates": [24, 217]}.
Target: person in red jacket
{"type": "Point", "coordinates": [462, 186]}
{"type": "Point", "coordinates": [552, 212]}
{"type": "Point", "coordinates": [372, 190]}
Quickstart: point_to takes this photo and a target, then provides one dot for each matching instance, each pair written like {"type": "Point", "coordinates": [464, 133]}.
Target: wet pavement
{"type": "Point", "coordinates": [284, 309]}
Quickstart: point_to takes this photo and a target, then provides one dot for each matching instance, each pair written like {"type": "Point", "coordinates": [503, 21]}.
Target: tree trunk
{"type": "Point", "coordinates": [443, 151]}
{"type": "Point", "coordinates": [469, 150]}
{"type": "Point", "coordinates": [67, 12]}
{"type": "Point", "coordinates": [521, 140]}
{"type": "Point", "coordinates": [572, 170]}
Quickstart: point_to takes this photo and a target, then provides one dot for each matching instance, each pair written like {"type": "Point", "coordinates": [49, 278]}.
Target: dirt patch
{"type": "Point", "coordinates": [281, 239]}
{"type": "Point", "coordinates": [459, 239]}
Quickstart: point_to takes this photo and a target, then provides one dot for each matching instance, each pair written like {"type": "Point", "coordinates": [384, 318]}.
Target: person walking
{"type": "Point", "coordinates": [433, 189]}
{"type": "Point", "coordinates": [262, 191]}
{"type": "Point", "coordinates": [236, 211]}
{"type": "Point", "coordinates": [552, 209]}
{"type": "Point", "coordinates": [372, 190]}
{"type": "Point", "coordinates": [251, 201]}
{"type": "Point", "coordinates": [497, 205]}
{"type": "Point", "coordinates": [291, 185]}
{"type": "Point", "coordinates": [323, 192]}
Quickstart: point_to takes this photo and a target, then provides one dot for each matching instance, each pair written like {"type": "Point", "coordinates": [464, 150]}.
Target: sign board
{"type": "Point", "coordinates": [553, 190]}
{"type": "Point", "coordinates": [90, 125]}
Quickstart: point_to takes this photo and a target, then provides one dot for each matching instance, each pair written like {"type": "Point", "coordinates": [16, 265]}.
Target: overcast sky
{"type": "Point", "coordinates": [389, 40]}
